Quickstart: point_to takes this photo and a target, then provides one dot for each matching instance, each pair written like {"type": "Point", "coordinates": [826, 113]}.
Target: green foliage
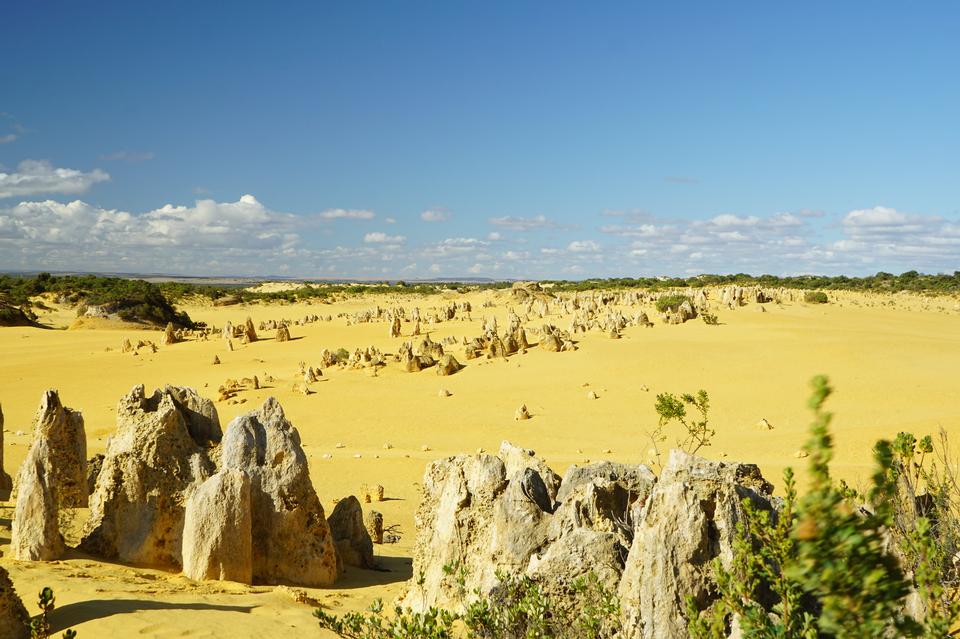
{"type": "Point", "coordinates": [710, 319]}
{"type": "Point", "coordinates": [671, 302]}
{"type": "Point", "coordinates": [131, 300]}
{"type": "Point", "coordinates": [815, 297]}
{"type": "Point", "coordinates": [342, 355]}
{"type": "Point", "coordinates": [519, 608]}
{"type": "Point", "coordinates": [822, 567]}
{"type": "Point", "coordinates": [696, 432]}
{"type": "Point", "coordinates": [40, 625]}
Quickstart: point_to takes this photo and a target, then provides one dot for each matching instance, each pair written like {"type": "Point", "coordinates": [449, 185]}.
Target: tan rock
{"type": "Point", "coordinates": [36, 529]}
{"type": "Point", "coordinates": [218, 529]}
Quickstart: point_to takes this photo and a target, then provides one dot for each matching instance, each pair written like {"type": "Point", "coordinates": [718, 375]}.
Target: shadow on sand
{"type": "Point", "coordinates": [64, 617]}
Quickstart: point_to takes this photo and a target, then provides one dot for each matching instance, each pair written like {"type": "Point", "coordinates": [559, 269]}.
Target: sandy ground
{"type": "Point", "coordinates": [894, 361]}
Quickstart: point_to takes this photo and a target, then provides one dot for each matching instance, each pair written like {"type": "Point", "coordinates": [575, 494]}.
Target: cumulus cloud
{"type": "Point", "coordinates": [436, 214]}
{"type": "Point", "coordinates": [35, 177]}
{"type": "Point", "coordinates": [8, 138]}
{"type": "Point", "coordinates": [524, 223]}
{"type": "Point", "coordinates": [583, 246]}
{"type": "Point", "coordinates": [378, 237]}
{"type": "Point", "coordinates": [347, 214]}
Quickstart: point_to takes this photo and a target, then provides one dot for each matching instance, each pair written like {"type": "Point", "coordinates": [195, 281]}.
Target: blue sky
{"type": "Point", "coordinates": [512, 139]}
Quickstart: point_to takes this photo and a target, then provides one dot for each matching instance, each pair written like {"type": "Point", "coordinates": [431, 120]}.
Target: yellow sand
{"type": "Point", "coordinates": [895, 362]}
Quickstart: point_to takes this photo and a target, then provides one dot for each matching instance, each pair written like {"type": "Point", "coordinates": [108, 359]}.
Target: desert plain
{"type": "Point", "coordinates": [894, 361]}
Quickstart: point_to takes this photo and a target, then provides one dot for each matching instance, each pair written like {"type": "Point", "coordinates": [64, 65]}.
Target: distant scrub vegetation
{"type": "Point", "coordinates": [130, 300]}
{"type": "Point", "coordinates": [138, 300]}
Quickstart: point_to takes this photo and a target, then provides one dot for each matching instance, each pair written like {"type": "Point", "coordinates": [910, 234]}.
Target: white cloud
{"type": "Point", "coordinates": [583, 246]}
{"type": "Point", "coordinates": [347, 214]}
{"type": "Point", "coordinates": [8, 138]}
{"type": "Point", "coordinates": [524, 223]}
{"type": "Point", "coordinates": [494, 236]}
{"type": "Point", "coordinates": [437, 214]}
{"type": "Point", "coordinates": [434, 268]}
{"type": "Point", "coordinates": [378, 237]}
{"type": "Point", "coordinates": [390, 220]}
{"type": "Point", "coordinates": [34, 177]}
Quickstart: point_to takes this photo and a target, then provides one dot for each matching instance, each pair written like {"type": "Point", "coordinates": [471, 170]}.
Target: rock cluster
{"type": "Point", "coordinates": [651, 540]}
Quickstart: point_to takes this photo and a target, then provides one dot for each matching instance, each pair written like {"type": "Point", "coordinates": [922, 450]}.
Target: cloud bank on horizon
{"type": "Point", "coordinates": [248, 238]}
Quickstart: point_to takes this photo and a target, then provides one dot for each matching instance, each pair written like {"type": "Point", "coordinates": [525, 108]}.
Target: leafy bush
{"type": "Point", "coordinates": [696, 433]}
{"type": "Point", "coordinates": [815, 297]}
{"type": "Point", "coordinates": [40, 625]}
{"type": "Point", "coordinates": [671, 302]}
{"type": "Point", "coordinates": [520, 608]}
{"type": "Point", "coordinates": [709, 319]}
{"type": "Point", "coordinates": [821, 567]}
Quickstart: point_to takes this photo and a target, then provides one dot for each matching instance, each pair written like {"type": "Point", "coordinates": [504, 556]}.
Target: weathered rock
{"type": "Point", "coordinates": [169, 335]}
{"type": "Point", "coordinates": [218, 529]}
{"type": "Point", "coordinates": [283, 334]}
{"type": "Point", "coordinates": [6, 482]}
{"type": "Point", "coordinates": [516, 459]}
{"type": "Point", "coordinates": [126, 346]}
{"type": "Point", "coordinates": [374, 524]}
{"type": "Point", "coordinates": [692, 511]}
{"type": "Point", "coordinates": [350, 535]}
{"type": "Point", "coordinates": [36, 529]}
{"type": "Point", "coordinates": [291, 539]}
{"type": "Point", "coordinates": [151, 466]}
{"type": "Point", "coordinates": [13, 616]}
{"type": "Point", "coordinates": [448, 365]}
{"type": "Point", "coordinates": [453, 522]}
{"type": "Point", "coordinates": [551, 343]}
{"type": "Point", "coordinates": [521, 413]}
{"type": "Point", "coordinates": [94, 464]}
{"type": "Point", "coordinates": [203, 422]}
{"type": "Point", "coordinates": [249, 331]}
{"type": "Point", "coordinates": [62, 429]}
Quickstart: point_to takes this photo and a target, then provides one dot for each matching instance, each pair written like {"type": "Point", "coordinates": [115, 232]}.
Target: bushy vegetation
{"type": "Point", "coordinates": [815, 297]}
{"type": "Point", "coordinates": [40, 625]}
{"type": "Point", "coordinates": [880, 283]}
{"type": "Point", "coordinates": [823, 566]}
{"type": "Point", "coordinates": [520, 608]}
{"type": "Point", "coordinates": [670, 302]}
{"type": "Point", "coordinates": [131, 300]}
{"type": "Point", "coordinates": [696, 433]}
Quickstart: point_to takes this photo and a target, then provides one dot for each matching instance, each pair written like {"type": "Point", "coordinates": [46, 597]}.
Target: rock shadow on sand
{"type": "Point", "coordinates": [74, 614]}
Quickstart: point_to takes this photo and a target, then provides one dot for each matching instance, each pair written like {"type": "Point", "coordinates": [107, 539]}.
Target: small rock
{"type": "Point", "coordinates": [444, 393]}
{"type": "Point", "coordinates": [592, 395]}
{"type": "Point", "coordinates": [763, 424]}
{"type": "Point", "coordinates": [522, 413]}
{"type": "Point", "coordinates": [339, 445]}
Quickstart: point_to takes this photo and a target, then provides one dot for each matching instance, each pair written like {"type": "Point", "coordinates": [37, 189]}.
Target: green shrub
{"type": "Point", "coordinates": [520, 608]}
{"type": "Point", "coordinates": [696, 433]}
{"type": "Point", "coordinates": [815, 297]}
{"type": "Point", "coordinates": [671, 302]}
{"type": "Point", "coordinates": [709, 319]}
{"type": "Point", "coordinates": [822, 566]}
